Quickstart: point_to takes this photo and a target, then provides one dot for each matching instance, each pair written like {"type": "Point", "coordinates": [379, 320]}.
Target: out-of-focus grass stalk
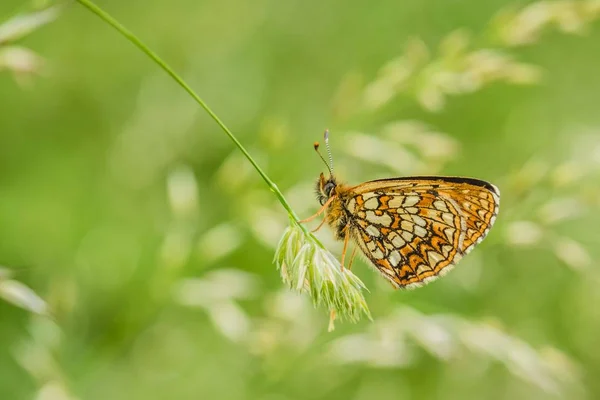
{"type": "Point", "coordinates": [146, 50]}
{"type": "Point", "coordinates": [304, 263]}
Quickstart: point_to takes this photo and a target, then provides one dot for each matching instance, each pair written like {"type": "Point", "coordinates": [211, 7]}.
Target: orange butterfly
{"type": "Point", "coordinates": [411, 229]}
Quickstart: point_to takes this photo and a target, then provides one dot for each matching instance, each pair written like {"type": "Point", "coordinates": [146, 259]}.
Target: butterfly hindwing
{"type": "Point", "coordinates": [415, 229]}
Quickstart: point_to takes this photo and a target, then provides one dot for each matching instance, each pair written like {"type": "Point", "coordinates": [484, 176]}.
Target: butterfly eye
{"type": "Point", "coordinates": [328, 188]}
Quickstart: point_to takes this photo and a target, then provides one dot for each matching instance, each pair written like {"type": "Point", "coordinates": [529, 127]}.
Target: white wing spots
{"type": "Point", "coordinates": [407, 236]}
{"type": "Point", "coordinates": [371, 246]}
{"type": "Point", "coordinates": [468, 249]}
{"type": "Point", "coordinates": [446, 249]}
{"type": "Point", "coordinates": [396, 240]}
{"type": "Point", "coordinates": [461, 237]}
{"type": "Point", "coordinates": [457, 258]}
{"type": "Point", "coordinates": [418, 220]}
{"type": "Point", "coordinates": [492, 220]}
{"type": "Point", "coordinates": [410, 201]}
{"type": "Point", "coordinates": [351, 206]}
{"type": "Point", "coordinates": [368, 195]}
{"type": "Point", "coordinates": [496, 196]}
{"type": "Point", "coordinates": [482, 213]}
{"type": "Point", "coordinates": [390, 274]}
{"type": "Point", "coordinates": [388, 247]}
{"type": "Point", "coordinates": [384, 219]}
{"type": "Point", "coordinates": [421, 268]}
{"type": "Point", "coordinates": [374, 250]}
{"type": "Point", "coordinates": [434, 258]}
{"type": "Point", "coordinates": [440, 205]}
{"type": "Point", "coordinates": [394, 258]}
{"type": "Point", "coordinates": [373, 231]}
{"type": "Point", "coordinates": [378, 254]}
{"type": "Point", "coordinates": [372, 203]}
{"type": "Point", "coordinates": [445, 270]}
{"type": "Point", "coordinates": [396, 202]}
{"type": "Point", "coordinates": [448, 218]}
{"type": "Point", "coordinates": [411, 210]}
{"type": "Point", "coordinates": [407, 225]}
{"type": "Point", "coordinates": [449, 232]}
{"type": "Point", "coordinates": [463, 222]}
{"type": "Point", "coordinates": [420, 231]}
{"type": "Point", "coordinates": [432, 214]}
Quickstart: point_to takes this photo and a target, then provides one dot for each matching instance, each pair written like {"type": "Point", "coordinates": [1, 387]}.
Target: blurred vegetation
{"type": "Point", "coordinates": [136, 242]}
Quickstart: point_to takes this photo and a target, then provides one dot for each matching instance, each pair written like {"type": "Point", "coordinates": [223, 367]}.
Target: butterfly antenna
{"type": "Point", "coordinates": [316, 146]}
{"type": "Point", "coordinates": [326, 137]}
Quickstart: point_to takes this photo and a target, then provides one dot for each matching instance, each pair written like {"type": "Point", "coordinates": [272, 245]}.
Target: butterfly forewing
{"type": "Point", "coordinates": [414, 229]}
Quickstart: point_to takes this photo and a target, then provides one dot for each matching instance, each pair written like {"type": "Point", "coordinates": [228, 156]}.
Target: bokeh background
{"type": "Point", "coordinates": [128, 214]}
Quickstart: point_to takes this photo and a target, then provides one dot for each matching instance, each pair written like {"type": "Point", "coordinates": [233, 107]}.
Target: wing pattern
{"type": "Point", "coordinates": [415, 229]}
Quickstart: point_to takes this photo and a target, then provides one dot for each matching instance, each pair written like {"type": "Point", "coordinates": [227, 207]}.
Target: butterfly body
{"type": "Point", "coordinates": [411, 229]}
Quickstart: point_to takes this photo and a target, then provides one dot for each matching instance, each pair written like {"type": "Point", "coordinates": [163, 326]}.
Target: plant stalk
{"type": "Point", "coordinates": [146, 50]}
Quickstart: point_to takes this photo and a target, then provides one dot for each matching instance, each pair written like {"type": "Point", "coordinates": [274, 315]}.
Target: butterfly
{"type": "Point", "coordinates": [412, 229]}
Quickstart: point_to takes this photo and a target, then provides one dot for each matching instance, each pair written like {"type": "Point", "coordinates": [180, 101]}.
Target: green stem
{"type": "Point", "coordinates": [138, 43]}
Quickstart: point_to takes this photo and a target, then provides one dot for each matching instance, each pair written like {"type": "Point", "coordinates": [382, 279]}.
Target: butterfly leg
{"type": "Point", "coordinates": [320, 225]}
{"type": "Point", "coordinates": [346, 241]}
{"type": "Point", "coordinates": [321, 210]}
{"type": "Point", "coordinates": [352, 257]}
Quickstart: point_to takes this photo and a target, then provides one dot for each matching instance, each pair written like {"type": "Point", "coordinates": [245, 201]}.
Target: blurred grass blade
{"type": "Point", "coordinates": [22, 25]}
{"type": "Point", "coordinates": [22, 296]}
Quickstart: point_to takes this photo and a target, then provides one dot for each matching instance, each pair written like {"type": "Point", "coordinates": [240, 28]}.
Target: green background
{"type": "Point", "coordinates": [121, 202]}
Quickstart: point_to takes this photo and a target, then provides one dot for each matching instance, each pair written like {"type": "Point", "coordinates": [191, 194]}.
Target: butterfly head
{"type": "Point", "coordinates": [325, 186]}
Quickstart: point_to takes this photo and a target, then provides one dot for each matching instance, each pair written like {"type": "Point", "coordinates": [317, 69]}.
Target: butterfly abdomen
{"type": "Point", "coordinates": [337, 218]}
{"type": "Point", "coordinates": [337, 214]}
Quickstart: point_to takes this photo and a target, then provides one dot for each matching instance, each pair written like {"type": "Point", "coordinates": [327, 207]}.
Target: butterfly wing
{"type": "Point", "coordinates": [415, 229]}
